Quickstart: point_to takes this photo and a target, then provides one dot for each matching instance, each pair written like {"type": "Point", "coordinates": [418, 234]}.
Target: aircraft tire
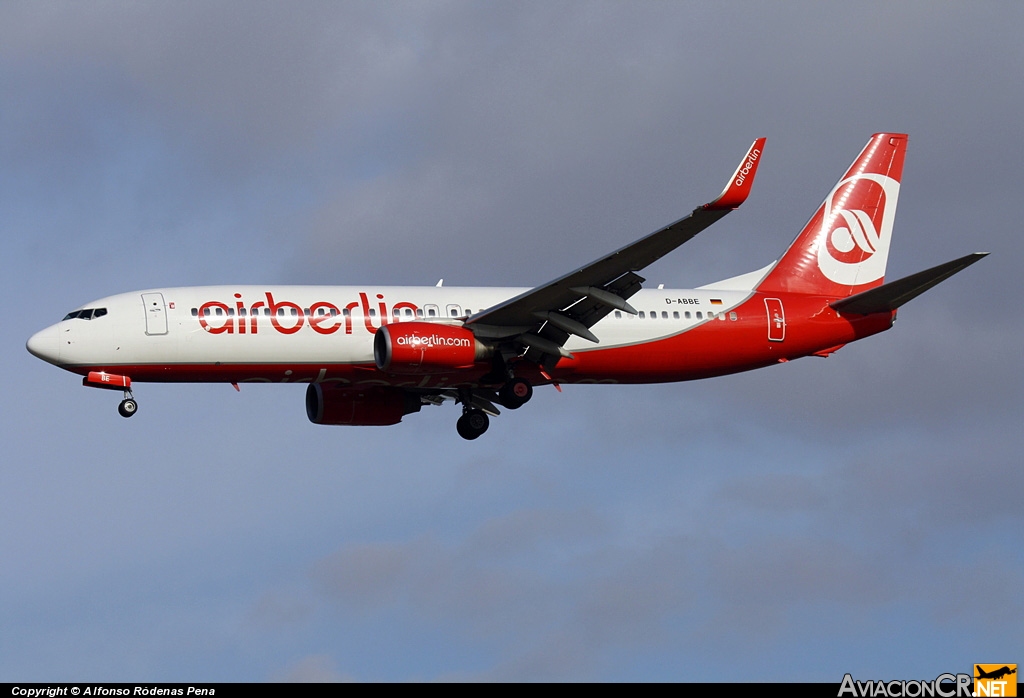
{"type": "Point", "coordinates": [472, 424]}
{"type": "Point", "coordinates": [516, 393]}
{"type": "Point", "coordinates": [127, 408]}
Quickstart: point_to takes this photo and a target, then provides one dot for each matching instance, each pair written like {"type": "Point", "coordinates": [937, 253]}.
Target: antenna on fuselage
{"type": "Point", "coordinates": [440, 283]}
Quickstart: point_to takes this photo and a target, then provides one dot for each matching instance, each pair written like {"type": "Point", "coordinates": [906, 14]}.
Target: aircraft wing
{"type": "Point", "coordinates": [543, 318]}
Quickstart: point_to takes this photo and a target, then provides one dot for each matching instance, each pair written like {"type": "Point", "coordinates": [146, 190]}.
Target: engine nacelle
{"type": "Point", "coordinates": [373, 406]}
{"type": "Point", "coordinates": [425, 347]}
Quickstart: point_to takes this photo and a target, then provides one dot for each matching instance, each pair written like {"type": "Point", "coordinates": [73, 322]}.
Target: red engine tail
{"type": "Point", "coordinates": [844, 247]}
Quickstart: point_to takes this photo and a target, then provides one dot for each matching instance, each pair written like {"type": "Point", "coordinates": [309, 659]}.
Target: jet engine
{"type": "Point", "coordinates": [426, 347]}
{"type": "Point", "coordinates": [373, 406]}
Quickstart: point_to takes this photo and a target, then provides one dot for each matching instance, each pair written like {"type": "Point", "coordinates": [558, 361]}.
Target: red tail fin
{"type": "Point", "coordinates": [844, 247]}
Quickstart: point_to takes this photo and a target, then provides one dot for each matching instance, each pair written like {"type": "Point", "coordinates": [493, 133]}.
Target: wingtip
{"type": "Point", "coordinates": [738, 188]}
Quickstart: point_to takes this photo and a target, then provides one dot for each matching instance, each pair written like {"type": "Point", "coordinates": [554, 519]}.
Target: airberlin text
{"type": "Point", "coordinates": [287, 317]}
{"type": "Point", "coordinates": [944, 686]}
{"type": "Point", "coordinates": [433, 341]}
{"type": "Point", "coordinates": [741, 174]}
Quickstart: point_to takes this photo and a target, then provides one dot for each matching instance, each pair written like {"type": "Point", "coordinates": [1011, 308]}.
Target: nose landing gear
{"type": "Point", "coordinates": [112, 381]}
{"type": "Point", "coordinates": [128, 406]}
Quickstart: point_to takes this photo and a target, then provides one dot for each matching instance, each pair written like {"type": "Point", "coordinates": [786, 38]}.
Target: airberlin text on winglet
{"type": "Point", "coordinates": [747, 166]}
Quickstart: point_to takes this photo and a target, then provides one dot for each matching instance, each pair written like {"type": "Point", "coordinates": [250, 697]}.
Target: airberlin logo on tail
{"type": "Point", "coordinates": [853, 244]}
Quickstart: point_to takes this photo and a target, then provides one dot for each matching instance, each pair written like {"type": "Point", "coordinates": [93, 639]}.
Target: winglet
{"type": "Point", "coordinates": [738, 188]}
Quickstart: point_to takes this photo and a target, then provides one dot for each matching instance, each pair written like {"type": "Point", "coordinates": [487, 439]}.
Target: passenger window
{"type": "Point", "coordinates": [699, 316]}
{"type": "Point", "coordinates": [732, 316]}
{"type": "Point", "coordinates": [231, 312]}
{"type": "Point", "coordinates": [419, 312]}
{"type": "Point", "coordinates": [686, 314]}
{"type": "Point", "coordinates": [642, 316]}
{"type": "Point", "coordinates": [219, 311]}
{"type": "Point", "coordinates": [675, 315]}
{"type": "Point", "coordinates": [664, 315]}
{"type": "Point", "coordinates": [195, 312]}
{"type": "Point", "coordinates": [373, 313]}
{"type": "Point", "coordinates": [618, 314]}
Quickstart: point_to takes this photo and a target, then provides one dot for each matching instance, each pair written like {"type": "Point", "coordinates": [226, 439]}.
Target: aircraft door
{"type": "Point", "coordinates": [776, 319]}
{"type": "Point", "coordinates": [156, 313]}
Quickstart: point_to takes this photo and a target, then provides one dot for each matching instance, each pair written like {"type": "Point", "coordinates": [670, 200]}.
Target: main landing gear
{"type": "Point", "coordinates": [516, 393]}
{"type": "Point", "coordinates": [474, 421]}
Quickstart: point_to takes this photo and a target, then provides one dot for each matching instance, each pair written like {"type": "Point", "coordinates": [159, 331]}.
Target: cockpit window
{"type": "Point", "coordinates": [86, 314]}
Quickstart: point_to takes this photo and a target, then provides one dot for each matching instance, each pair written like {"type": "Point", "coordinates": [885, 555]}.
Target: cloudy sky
{"type": "Point", "coordinates": [856, 514]}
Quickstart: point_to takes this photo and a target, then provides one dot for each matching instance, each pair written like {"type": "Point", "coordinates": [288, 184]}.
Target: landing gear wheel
{"type": "Point", "coordinates": [516, 393]}
{"type": "Point", "coordinates": [472, 424]}
{"type": "Point", "coordinates": [128, 407]}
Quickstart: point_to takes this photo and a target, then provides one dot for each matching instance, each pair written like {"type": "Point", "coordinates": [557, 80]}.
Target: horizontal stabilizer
{"type": "Point", "coordinates": [892, 295]}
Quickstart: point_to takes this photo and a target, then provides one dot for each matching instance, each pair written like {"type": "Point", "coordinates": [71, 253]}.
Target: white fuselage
{"type": "Point", "coordinates": [155, 331]}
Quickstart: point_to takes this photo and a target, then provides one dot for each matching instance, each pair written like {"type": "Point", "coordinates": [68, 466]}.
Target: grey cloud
{"type": "Point", "coordinates": [317, 668]}
{"type": "Point", "coordinates": [365, 575]}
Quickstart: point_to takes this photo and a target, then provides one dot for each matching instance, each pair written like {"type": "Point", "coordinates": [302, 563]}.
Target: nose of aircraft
{"type": "Point", "coordinates": [45, 344]}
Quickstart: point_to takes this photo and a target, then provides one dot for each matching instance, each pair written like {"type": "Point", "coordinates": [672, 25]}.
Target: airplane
{"type": "Point", "coordinates": [372, 354]}
{"type": "Point", "coordinates": [995, 674]}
